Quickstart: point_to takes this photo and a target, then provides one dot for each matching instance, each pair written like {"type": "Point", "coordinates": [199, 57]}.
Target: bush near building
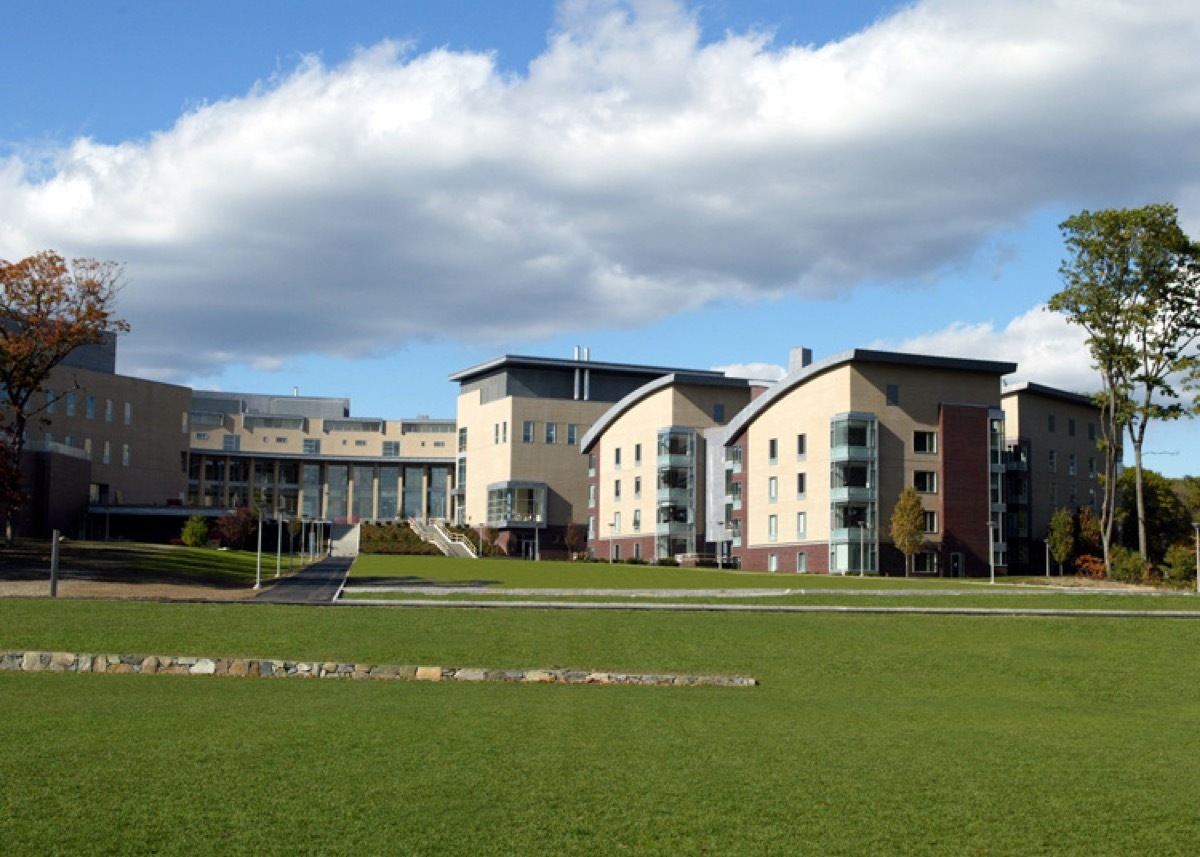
{"type": "Point", "coordinates": [396, 539]}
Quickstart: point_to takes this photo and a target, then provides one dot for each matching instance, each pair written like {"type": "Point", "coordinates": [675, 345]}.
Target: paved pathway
{"type": "Point", "coordinates": [319, 583]}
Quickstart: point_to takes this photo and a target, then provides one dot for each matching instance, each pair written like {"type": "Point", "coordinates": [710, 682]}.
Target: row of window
{"type": "Point", "coordinates": [930, 525]}
{"type": "Point", "coordinates": [1072, 465]}
{"type": "Point", "coordinates": [551, 433]}
{"type": "Point", "coordinates": [70, 406]}
{"type": "Point", "coordinates": [924, 443]}
{"type": "Point", "coordinates": [309, 445]}
{"type": "Point", "coordinates": [1052, 426]}
{"type": "Point", "coordinates": [106, 449]}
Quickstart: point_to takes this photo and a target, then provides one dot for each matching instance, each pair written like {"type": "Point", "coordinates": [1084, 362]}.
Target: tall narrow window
{"type": "Point", "coordinates": [801, 447]}
{"type": "Point", "coordinates": [527, 431]}
{"type": "Point", "coordinates": [551, 432]}
{"type": "Point", "coordinates": [773, 451]}
{"type": "Point", "coordinates": [772, 489]}
{"type": "Point", "coordinates": [772, 528]}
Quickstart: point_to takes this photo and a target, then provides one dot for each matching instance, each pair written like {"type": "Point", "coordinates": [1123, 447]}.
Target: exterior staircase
{"type": "Point", "coordinates": [344, 540]}
{"type": "Point", "coordinates": [451, 544]}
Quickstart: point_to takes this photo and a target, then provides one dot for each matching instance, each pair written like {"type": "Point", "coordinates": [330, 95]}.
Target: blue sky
{"type": "Point", "coordinates": [357, 199]}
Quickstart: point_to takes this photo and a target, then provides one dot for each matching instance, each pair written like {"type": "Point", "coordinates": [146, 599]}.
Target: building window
{"type": "Point", "coordinates": [925, 442]}
{"type": "Point", "coordinates": [801, 525]}
{"type": "Point", "coordinates": [592, 496]}
{"type": "Point", "coordinates": [802, 563]}
{"type": "Point", "coordinates": [551, 432]}
{"type": "Point", "coordinates": [893, 394]}
{"type": "Point", "coordinates": [125, 455]}
{"type": "Point", "coordinates": [773, 451]}
{"type": "Point", "coordinates": [591, 526]}
{"type": "Point", "coordinates": [108, 410]}
{"type": "Point", "coordinates": [231, 443]}
{"type": "Point", "coordinates": [616, 525]}
{"type": "Point", "coordinates": [719, 412]}
{"type": "Point", "coordinates": [527, 431]}
{"type": "Point", "coordinates": [637, 520]}
{"type": "Point", "coordinates": [356, 443]}
{"type": "Point", "coordinates": [925, 562]}
{"type": "Point", "coordinates": [617, 458]}
{"type": "Point", "coordinates": [572, 434]}
{"type": "Point", "coordinates": [801, 447]}
{"type": "Point", "coordinates": [128, 414]}
{"type": "Point", "coordinates": [1091, 468]}
{"type": "Point", "coordinates": [637, 550]}
{"type": "Point", "coordinates": [1071, 427]}
{"type": "Point", "coordinates": [637, 487]}
{"type": "Point", "coordinates": [89, 407]}
{"type": "Point", "coordinates": [591, 464]}
{"type": "Point", "coordinates": [1091, 431]}
{"type": "Point", "coordinates": [637, 455]}
{"type": "Point", "coordinates": [87, 448]}
{"type": "Point", "coordinates": [51, 401]}
{"type": "Point", "coordinates": [801, 485]}
{"type": "Point", "coordinates": [925, 481]}
{"type": "Point", "coordinates": [616, 489]}
{"type": "Point", "coordinates": [70, 404]}
{"type": "Point", "coordinates": [391, 449]}
{"type": "Point", "coordinates": [772, 489]}
{"type": "Point", "coordinates": [504, 432]}
{"type": "Point", "coordinates": [1053, 461]}
{"type": "Point", "coordinates": [1050, 422]}
{"type": "Point", "coordinates": [931, 522]}
{"type": "Point", "coordinates": [772, 528]}
{"type": "Point", "coordinates": [312, 446]}
{"type": "Point", "coordinates": [772, 562]}
{"type": "Point", "coordinates": [106, 452]}
{"type": "Point", "coordinates": [462, 440]}
{"type": "Point", "coordinates": [1071, 464]}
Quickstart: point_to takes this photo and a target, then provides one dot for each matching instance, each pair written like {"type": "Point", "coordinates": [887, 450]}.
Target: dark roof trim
{"type": "Point", "coordinates": [525, 362]}
{"type": "Point", "coordinates": [738, 425]}
{"type": "Point", "coordinates": [1049, 392]}
{"type": "Point", "coordinates": [694, 379]}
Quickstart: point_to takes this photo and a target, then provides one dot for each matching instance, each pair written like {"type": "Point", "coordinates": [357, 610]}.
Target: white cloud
{"type": "Point", "coordinates": [753, 371]}
{"type": "Point", "coordinates": [633, 173]}
{"type": "Point", "coordinates": [1045, 346]}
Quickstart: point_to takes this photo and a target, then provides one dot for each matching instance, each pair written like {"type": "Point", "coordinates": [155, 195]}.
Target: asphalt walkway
{"type": "Point", "coordinates": [318, 583]}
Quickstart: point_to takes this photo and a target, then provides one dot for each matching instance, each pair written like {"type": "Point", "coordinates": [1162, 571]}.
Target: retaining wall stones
{"type": "Point", "coordinates": [22, 661]}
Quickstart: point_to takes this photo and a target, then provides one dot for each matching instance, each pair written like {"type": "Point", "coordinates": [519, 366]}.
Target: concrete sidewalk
{"type": "Point", "coordinates": [319, 583]}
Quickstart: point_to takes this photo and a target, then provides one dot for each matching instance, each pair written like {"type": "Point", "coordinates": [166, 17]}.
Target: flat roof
{"type": "Point", "coordinates": [1048, 392]}
{"type": "Point", "coordinates": [518, 361]}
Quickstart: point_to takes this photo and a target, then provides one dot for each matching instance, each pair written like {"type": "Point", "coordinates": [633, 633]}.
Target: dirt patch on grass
{"type": "Point", "coordinates": [125, 591]}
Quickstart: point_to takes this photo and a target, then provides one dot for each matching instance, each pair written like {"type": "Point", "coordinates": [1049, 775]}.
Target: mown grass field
{"type": "Point", "coordinates": [868, 734]}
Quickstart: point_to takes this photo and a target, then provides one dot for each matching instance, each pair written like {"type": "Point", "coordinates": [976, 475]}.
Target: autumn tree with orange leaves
{"type": "Point", "coordinates": [48, 308]}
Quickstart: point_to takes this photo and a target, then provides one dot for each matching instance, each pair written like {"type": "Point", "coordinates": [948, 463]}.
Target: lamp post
{"type": "Point", "coordinates": [720, 544]}
{"type": "Point", "coordinates": [278, 543]}
{"type": "Point", "coordinates": [1047, 557]}
{"type": "Point", "coordinates": [1196, 527]}
{"type": "Point", "coordinates": [862, 557]}
{"type": "Point", "coordinates": [258, 564]}
{"type": "Point", "coordinates": [992, 549]}
{"type": "Point", "coordinates": [612, 535]}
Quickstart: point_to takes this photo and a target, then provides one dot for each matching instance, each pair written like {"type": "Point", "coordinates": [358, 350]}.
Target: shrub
{"type": "Point", "coordinates": [237, 528]}
{"type": "Point", "coordinates": [1179, 565]}
{"type": "Point", "coordinates": [195, 532]}
{"type": "Point", "coordinates": [1090, 565]}
{"type": "Point", "coordinates": [1129, 566]}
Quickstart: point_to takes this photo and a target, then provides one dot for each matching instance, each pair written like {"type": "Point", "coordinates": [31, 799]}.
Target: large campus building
{"type": "Point", "coordinates": [625, 461]}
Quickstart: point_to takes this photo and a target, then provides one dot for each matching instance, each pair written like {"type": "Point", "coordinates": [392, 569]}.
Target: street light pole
{"type": "Point", "coordinates": [1196, 527]}
{"type": "Point", "coordinates": [992, 549]}
{"type": "Point", "coordinates": [1047, 557]}
{"type": "Point", "coordinates": [862, 557]}
{"type": "Point", "coordinates": [258, 565]}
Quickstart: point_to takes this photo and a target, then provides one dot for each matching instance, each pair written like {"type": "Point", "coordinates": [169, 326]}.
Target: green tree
{"type": "Point", "coordinates": [195, 532]}
{"type": "Point", "coordinates": [908, 526]}
{"type": "Point", "coordinates": [1131, 284]}
{"type": "Point", "coordinates": [1061, 537]}
{"type": "Point", "coordinates": [48, 308]}
{"type": "Point", "coordinates": [1167, 518]}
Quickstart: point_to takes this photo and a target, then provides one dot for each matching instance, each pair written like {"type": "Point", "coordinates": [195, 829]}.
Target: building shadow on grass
{"type": "Point", "coordinates": [418, 581]}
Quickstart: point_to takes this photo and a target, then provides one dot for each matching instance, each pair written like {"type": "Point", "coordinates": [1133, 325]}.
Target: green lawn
{"type": "Point", "coordinates": [869, 734]}
{"type": "Point", "coordinates": [508, 573]}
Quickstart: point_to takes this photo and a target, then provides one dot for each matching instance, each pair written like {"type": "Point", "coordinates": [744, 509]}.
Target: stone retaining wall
{"type": "Point", "coordinates": [21, 661]}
